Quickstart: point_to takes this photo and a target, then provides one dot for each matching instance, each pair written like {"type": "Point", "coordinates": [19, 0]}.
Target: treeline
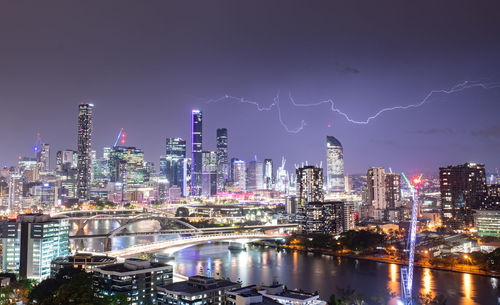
{"type": "Point", "coordinates": [360, 241]}
{"type": "Point", "coordinates": [484, 261]}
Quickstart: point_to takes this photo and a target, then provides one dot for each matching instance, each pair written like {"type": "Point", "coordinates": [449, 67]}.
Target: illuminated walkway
{"type": "Point", "coordinates": [187, 241]}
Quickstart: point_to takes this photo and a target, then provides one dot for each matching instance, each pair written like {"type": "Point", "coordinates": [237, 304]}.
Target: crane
{"type": "Point", "coordinates": [121, 135]}
{"type": "Point", "coordinates": [407, 272]}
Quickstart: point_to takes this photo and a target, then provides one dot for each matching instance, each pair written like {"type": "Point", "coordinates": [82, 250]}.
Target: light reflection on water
{"type": "Point", "coordinates": [310, 272]}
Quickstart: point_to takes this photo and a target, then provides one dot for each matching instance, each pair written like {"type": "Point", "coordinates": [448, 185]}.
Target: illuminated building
{"type": "Point", "coordinates": [222, 159]}
{"type": "Point", "coordinates": [66, 159]}
{"type": "Point", "coordinates": [463, 189]}
{"type": "Point", "coordinates": [239, 174]}
{"type": "Point", "coordinates": [255, 175]}
{"type": "Point", "coordinates": [487, 222]}
{"type": "Point", "coordinates": [186, 189]}
{"type": "Point", "coordinates": [334, 165]}
{"type": "Point", "coordinates": [138, 279]}
{"type": "Point", "coordinates": [282, 178]}
{"type": "Point", "coordinates": [323, 217]}
{"type": "Point", "coordinates": [31, 242]}
{"type": "Point", "coordinates": [173, 163]}
{"type": "Point", "coordinates": [392, 189]}
{"type": "Point", "coordinates": [196, 151]}
{"type": "Point", "coordinates": [196, 290]}
{"type": "Point", "coordinates": [127, 165]}
{"type": "Point", "coordinates": [268, 174]}
{"type": "Point", "coordinates": [84, 144]}
{"type": "Point", "coordinates": [44, 159]}
{"type": "Point", "coordinates": [209, 173]}
{"type": "Point", "coordinates": [309, 184]}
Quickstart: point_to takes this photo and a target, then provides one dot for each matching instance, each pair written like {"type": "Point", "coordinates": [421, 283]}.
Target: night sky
{"type": "Point", "coordinates": [146, 64]}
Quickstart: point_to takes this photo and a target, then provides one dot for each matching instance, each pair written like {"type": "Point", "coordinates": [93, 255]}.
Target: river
{"type": "Point", "coordinates": [314, 272]}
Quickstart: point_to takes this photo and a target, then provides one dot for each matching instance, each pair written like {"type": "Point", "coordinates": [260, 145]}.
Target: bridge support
{"type": "Point", "coordinates": [107, 244]}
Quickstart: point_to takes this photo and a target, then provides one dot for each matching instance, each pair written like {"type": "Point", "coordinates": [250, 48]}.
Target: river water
{"type": "Point", "coordinates": [313, 272]}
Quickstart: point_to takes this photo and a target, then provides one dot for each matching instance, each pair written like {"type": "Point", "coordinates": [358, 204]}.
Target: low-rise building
{"type": "Point", "coordinates": [273, 294]}
{"type": "Point", "coordinates": [137, 278]}
{"type": "Point", "coordinates": [196, 290]}
{"type": "Point", "coordinates": [83, 261]}
{"type": "Point", "coordinates": [487, 222]}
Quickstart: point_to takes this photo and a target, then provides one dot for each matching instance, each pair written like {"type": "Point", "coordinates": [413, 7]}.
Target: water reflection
{"type": "Point", "coordinates": [394, 284]}
{"type": "Point", "coordinates": [467, 287]}
{"type": "Point", "coordinates": [427, 283]}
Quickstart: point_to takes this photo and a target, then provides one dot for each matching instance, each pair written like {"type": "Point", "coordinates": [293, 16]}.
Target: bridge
{"type": "Point", "coordinates": [188, 241]}
{"type": "Point", "coordinates": [187, 231]}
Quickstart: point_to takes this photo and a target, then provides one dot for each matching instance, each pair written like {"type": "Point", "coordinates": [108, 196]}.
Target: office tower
{"type": "Point", "coordinates": [197, 290]}
{"type": "Point", "coordinates": [282, 178]}
{"type": "Point", "coordinates": [187, 176]}
{"type": "Point", "coordinates": [268, 174]}
{"type": "Point", "coordinates": [487, 222]}
{"type": "Point", "coordinates": [239, 174]}
{"type": "Point", "coordinates": [31, 242]}
{"type": "Point", "coordinates": [84, 145]}
{"type": "Point", "coordinates": [463, 189]}
{"type": "Point", "coordinates": [196, 151]}
{"type": "Point", "coordinates": [138, 279]}
{"type": "Point", "coordinates": [172, 166]}
{"type": "Point", "coordinates": [105, 153]}
{"type": "Point", "coordinates": [309, 184]}
{"type": "Point", "coordinates": [334, 165]}
{"type": "Point", "coordinates": [255, 175]}
{"type": "Point", "coordinates": [44, 160]}
{"type": "Point", "coordinates": [209, 173]}
{"type": "Point", "coordinates": [126, 165]}
{"type": "Point", "coordinates": [222, 159]}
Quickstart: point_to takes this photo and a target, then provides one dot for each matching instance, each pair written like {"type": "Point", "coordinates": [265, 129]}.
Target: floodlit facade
{"type": "Point", "coordinates": [334, 165]}
{"type": "Point", "coordinates": [240, 174]}
{"type": "Point", "coordinates": [268, 174]}
{"type": "Point", "coordinates": [31, 242]}
{"type": "Point", "coordinates": [209, 173]}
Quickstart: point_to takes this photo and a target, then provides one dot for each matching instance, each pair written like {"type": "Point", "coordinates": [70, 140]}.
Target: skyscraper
{"type": "Point", "coordinates": [268, 174]}
{"type": "Point", "coordinates": [255, 175]}
{"type": "Point", "coordinates": [334, 165]}
{"type": "Point", "coordinates": [309, 184]}
{"type": "Point", "coordinates": [375, 184]}
{"type": "Point", "coordinates": [44, 161]}
{"type": "Point", "coordinates": [196, 151]}
{"type": "Point", "coordinates": [173, 168]}
{"type": "Point", "coordinates": [222, 159]}
{"type": "Point", "coordinates": [84, 144]}
{"type": "Point", "coordinates": [463, 189]}
{"type": "Point", "coordinates": [209, 173]}
{"type": "Point", "coordinates": [392, 189]}
{"type": "Point", "coordinates": [239, 174]}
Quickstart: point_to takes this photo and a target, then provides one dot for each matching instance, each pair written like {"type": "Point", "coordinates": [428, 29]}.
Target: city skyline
{"type": "Point", "coordinates": [147, 84]}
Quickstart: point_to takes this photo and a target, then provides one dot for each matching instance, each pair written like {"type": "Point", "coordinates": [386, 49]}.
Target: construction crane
{"type": "Point", "coordinates": [407, 272]}
{"type": "Point", "coordinates": [120, 138]}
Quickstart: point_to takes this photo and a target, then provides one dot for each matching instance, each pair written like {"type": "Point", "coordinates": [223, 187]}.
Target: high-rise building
{"type": "Point", "coordinates": [44, 158]}
{"type": "Point", "coordinates": [209, 173]}
{"type": "Point", "coordinates": [392, 189]}
{"type": "Point", "coordinates": [463, 189]}
{"type": "Point", "coordinates": [377, 192]}
{"type": "Point", "coordinates": [196, 151]}
{"type": "Point", "coordinates": [126, 165]}
{"type": "Point", "coordinates": [173, 167]}
{"type": "Point", "coordinates": [324, 217]}
{"type": "Point", "coordinates": [31, 242]}
{"type": "Point", "coordinates": [138, 279]}
{"type": "Point", "coordinates": [334, 165]}
{"type": "Point", "coordinates": [309, 184]}
{"type": "Point", "coordinates": [255, 175]}
{"type": "Point", "coordinates": [84, 145]}
{"type": "Point", "coordinates": [239, 174]}
{"type": "Point", "coordinates": [268, 174]}
{"type": "Point", "coordinates": [222, 159]}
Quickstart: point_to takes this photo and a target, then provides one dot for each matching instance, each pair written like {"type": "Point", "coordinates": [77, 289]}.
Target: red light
{"type": "Point", "coordinates": [122, 141]}
{"type": "Point", "coordinates": [416, 181]}
{"type": "Point", "coordinates": [123, 135]}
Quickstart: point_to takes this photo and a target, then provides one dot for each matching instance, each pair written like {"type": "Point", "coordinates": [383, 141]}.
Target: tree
{"type": "Point", "coordinates": [182, 212]}
{"type": "Point", "coordinates": [333, 300]}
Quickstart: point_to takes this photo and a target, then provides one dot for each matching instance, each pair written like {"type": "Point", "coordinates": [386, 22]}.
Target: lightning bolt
{"type": "Point", "coordinates": [427, 99]}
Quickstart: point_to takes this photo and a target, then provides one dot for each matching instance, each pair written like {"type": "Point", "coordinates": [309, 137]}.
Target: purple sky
{"type": "Point", "coordinates": [145, 65]}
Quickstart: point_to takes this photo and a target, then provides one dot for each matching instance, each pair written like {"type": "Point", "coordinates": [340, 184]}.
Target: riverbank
{"type": "Point", "coordinates": [386, 259]}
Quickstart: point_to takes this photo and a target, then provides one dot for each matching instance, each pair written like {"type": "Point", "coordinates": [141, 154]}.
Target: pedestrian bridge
{"type": "Point", "coordinates": [189, 241]}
